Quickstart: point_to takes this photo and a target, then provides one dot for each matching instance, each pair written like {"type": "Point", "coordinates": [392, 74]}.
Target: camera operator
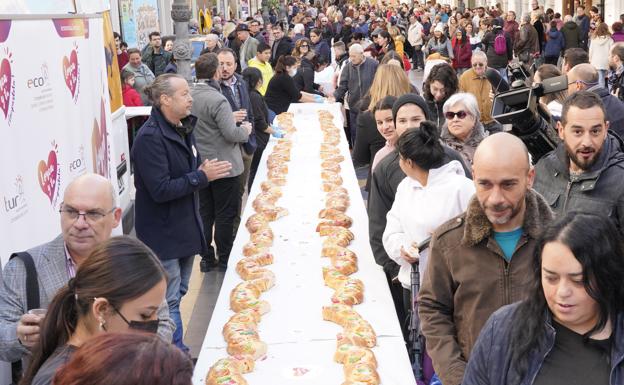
{"type": "Point", "coordinates": [552, 101]}
{"type": "Point", "coordinates": [585, 77]}
{"type": "Point", "coordinates": [586, 171]}
{"type": "Point", "coordinates": [573, 57]}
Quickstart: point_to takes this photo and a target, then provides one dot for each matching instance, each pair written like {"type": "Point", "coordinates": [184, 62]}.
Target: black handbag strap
{"type": "Point", "coordinates": [32, 283]}
{"type": "Point", "coordinates": [32, 302]}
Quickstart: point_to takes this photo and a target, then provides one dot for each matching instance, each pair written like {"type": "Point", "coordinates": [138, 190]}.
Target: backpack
{"type": "Point", "coordinates": [500, 44]}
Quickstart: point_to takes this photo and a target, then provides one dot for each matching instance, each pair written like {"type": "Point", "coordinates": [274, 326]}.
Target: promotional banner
{"type": "Point", "coordinates": [138, 19]}
{"type": "Point", "coordinates": [36, 6]}
{"type": "Point", "coordinates": [55, 122]}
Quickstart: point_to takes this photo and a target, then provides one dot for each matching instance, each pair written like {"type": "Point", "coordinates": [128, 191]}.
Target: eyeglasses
{"type": "Point", "coordinates": [305, 46]}
{"type": "Point", "coordinates": [89, 216]}
{"type": "Point", "coordinates": [478, 65]}
{"type": "Point", "coordinates": [589, 84]}
{"type": "Point", "coordinates": [450, 115]}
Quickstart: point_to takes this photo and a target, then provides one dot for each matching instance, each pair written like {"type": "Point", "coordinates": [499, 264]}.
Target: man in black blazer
{"type": "Point", "coordinates": [282, 45]}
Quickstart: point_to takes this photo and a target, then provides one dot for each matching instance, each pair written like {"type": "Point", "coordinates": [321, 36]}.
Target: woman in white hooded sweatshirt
{"type": "Point", "coordinates": [431, 194]}
{"type": "Point", "coordinates": [600, 51]}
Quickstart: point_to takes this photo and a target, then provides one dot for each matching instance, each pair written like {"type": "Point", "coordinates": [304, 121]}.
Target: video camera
{"type": "Point", "coordinates": [519, 106]}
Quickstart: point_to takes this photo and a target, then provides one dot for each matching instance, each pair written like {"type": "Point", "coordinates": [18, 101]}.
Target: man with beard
{"type": "Point", "coordinates": [482, 259]}
{"type": "Point", "coordinates": [585, 77]}
{"type": "Point", "coordinates": [582, 20]}
{"type": "Point", "coordinates": [586, 171]}
{"type": "Point", "coordinates": [154, 55]}
{"type": "Point", "coordinates": [616, 65]}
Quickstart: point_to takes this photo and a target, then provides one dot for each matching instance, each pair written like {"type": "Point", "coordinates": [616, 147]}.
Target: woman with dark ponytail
{"type": "Point", "coordinates": [119, 287]}
{"type": "Point", "coordinates": [431, 194]}
{"type": "Point", "coordinates": [570, 329]}
{"type": "Point", "coordinates": [282, 89]}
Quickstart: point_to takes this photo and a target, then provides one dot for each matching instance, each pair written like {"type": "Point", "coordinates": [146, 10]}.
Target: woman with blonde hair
{"type": "Point", "coordinates": [302, 48]}
{"type": "Point", "coordinates": [389, 80]}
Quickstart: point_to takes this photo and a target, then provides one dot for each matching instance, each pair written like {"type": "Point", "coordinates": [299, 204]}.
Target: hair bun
{"type": "Point", "coordinates": [429, 132]}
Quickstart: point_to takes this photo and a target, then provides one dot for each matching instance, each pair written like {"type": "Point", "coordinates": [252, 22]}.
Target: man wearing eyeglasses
{"type": "Point", "coordinates": [474, 81]}
{"type": "Point", "coordinates": [88, 216]}
{"type": "Point", "coordinates": [282, 45]}
{"type": "Point", "coordinates": [256, 33]}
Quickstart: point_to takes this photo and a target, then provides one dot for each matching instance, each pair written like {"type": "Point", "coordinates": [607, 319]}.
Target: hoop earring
{"type": "Point", "coordinates": [102, 324]}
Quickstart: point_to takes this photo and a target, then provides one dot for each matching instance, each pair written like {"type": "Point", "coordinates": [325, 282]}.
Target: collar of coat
{"type": "Point", "coordinates": [476, 136]}
{"type": "Point", "coordinates": [478, 227]}
{"type": "Point", "coordinates": [185, 128]}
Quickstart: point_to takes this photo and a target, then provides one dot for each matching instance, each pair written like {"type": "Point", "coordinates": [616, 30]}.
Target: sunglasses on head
{"type": "Point", "coordinates": [460, 114]}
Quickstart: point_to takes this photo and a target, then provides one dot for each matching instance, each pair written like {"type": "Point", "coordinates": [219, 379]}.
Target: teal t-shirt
{"type": "Point", "coordinates": [507, 241]}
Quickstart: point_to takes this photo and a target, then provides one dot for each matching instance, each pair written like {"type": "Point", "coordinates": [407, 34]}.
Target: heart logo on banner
{"type": "Point", "coordinates": [70, 70]}
{"type": "Point", "coordinates": [47, 174]}
{"type": "Point", "coordinates": [5, 86]}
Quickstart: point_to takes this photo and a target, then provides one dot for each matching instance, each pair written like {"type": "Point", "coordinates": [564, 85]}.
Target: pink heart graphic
{"type": "Point", "coordinates": [5, 86]}
{"type": "Point", "coordinates": [47, 174]}
{"type": "Point", "coordinates": [70, 70]}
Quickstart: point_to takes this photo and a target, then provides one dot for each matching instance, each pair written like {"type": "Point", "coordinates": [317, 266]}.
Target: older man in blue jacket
{"type": "Point", "coordinates": [168, 173]}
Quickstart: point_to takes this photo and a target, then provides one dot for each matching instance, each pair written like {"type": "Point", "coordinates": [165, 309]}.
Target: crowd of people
{"type": "Point", "coordinates": [501, 236]}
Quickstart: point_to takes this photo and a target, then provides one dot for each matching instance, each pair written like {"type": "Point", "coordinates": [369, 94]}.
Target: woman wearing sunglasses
{"type": "Point", "coordinates": [302, 48]}
{"type": "Point", "coordinates": [120, 287]}
{"type": "Point", "coordinates": [570, 329]}
{"type": "Point", "coordinates": [462, 130]}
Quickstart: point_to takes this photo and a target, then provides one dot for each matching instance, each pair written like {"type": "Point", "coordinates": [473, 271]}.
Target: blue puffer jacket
{"type": "Point", "coordinates": [555, 43]}
{"type": "Point", "coordinates": [490, 360]}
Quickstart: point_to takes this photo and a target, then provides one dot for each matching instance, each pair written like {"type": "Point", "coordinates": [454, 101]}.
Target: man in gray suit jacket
{"type": "Point", "coordinates": [249, 45]}
{"type": "Point", "coordinates": [92, 198]}
{"type": "Point", "coordinates": [218, 137]}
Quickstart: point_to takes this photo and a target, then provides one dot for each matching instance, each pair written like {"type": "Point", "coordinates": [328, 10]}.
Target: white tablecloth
{"type": "Point", "coordinates": [294, 329]}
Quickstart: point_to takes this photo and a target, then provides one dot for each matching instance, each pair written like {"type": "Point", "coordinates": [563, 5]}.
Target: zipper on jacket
{"type": "Point", "coordinates": [541, 363]}
{"type": "Point", "coordinates": [360, 82]}
{"type": "Point", "coordinates": [567, 195]}
{"type": "Point", "coordinates": [506, 289]}
{"type": "Point", "coordinates": [613, 366]}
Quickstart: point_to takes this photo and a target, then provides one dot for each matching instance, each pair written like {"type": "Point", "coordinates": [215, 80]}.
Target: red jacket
{"type": "Point", "coordinates": [131, 98]}
{"type": "Point", "coordinates": [122, 59]}
{"type": "Point", "coordinates": [463, 54]}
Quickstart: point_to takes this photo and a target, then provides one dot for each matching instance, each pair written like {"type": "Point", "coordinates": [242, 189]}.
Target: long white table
{"type": "Point", "coordinates": [294, 329]}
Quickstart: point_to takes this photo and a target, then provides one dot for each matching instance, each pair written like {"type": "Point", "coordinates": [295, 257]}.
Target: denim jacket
{"type": "Point", "coordinates": [490, 361]}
